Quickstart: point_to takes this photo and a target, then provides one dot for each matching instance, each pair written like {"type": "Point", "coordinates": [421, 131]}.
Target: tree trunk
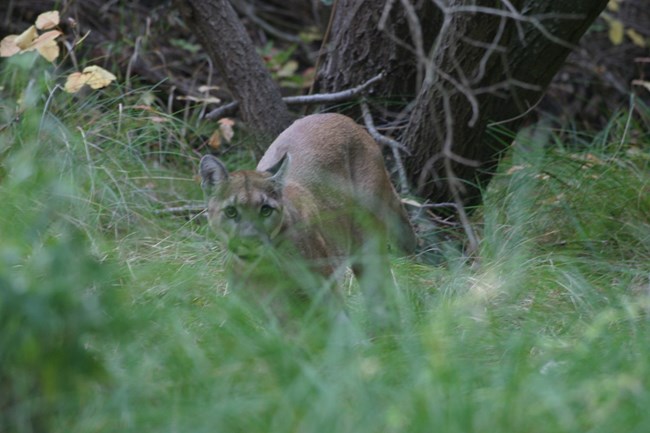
{"type": "Point", "coordinates": [367, 39]}
{"type": "Point", "coordinates": [224, 37]}
{"type": "Point", "coordinates": [464, 66]}
{"type": "Point", "coordinates": [462, 150]}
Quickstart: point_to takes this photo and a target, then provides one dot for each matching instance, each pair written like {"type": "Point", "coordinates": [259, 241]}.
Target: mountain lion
{"type": "Point", "coordinates": [320, 196]}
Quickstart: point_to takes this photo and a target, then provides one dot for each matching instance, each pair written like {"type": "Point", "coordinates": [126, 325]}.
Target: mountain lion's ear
{"type": "Point", "coordinates": [279, 170]}
{"type": "Point", "coordinates": [212, 172]}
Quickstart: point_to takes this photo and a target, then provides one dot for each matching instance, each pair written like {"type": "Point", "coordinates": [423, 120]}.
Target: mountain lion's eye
{"type": "Point", "coordinates": [230, 212]}
{"type": "Point", "coordinates": [266, 210]}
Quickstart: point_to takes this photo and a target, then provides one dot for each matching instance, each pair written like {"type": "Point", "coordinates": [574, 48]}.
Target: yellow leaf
{"type": "Point", "coordinates": [225, 126]}
{"type": "Point", "coordinates": [93, 76]}
{"type": "Point", "coordinates": [29, 41]}
{"type": "Point", "coordinates": [98, 77]}
{"type": "Point", "coordinates": [613, 5]}
{"type": "Point", "coordinates": [8, 46]}
{"type": "Point", "coordinates": [311, 34]}
{"type": "Point", "coordinates": [45, 38]}
{"type": "Point", "coordinates": [75, 82]}
{"type": "Point", "coordinates": [215, 140]}
{"type": "Point", "coordinates": [49, 50]}
{"type": "Point", "coordinates": [26, 38]}
{"type": "Point", "coordinates": [288, 69]}
{"type": "Point", "coordinates": [47, 20]}
{"type": "Point", "coordinates": [46, 45]}
{"type": "Point", "coordinates": [616, 31]}
{"type": "Point", "coordinates": [636, 38]}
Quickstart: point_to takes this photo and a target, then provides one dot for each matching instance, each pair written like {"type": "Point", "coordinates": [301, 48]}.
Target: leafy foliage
{"type": "Point", "coordinates": [30, 40]}
{"type": "Point", "coordinates": [46, 45]}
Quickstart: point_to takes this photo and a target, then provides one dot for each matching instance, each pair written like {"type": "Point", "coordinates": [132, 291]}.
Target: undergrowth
{"type": "Point", "coordinates": [115, 315]}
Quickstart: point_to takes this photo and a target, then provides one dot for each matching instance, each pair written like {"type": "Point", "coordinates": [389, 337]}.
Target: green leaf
{"type": "Point", "coordinates": [616, 31]}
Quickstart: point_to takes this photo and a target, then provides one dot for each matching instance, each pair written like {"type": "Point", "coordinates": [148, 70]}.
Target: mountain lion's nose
{"type": "Point", "coordinates": [245, 247]}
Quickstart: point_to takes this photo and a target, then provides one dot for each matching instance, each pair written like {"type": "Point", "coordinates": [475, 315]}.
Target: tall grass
{"type": "Point", "coordinates": [545, 330]}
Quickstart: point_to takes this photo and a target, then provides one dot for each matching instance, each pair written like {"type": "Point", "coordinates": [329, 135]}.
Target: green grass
{"type": "Point", "coordinates": [116, 317]}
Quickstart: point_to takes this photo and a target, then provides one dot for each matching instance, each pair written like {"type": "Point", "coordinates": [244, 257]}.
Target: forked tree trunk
{"type": "Point", "coordinates": [224, 37]}
{"type": "Point", "coordinates": [464, 69]}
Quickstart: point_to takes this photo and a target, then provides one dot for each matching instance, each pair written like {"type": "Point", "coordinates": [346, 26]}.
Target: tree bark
{"type": "Point", "coordinates": [462, 67]}
{"type": "Point", "coordinates": [368, 39]}
{"type": "Point", "coordinates": [224, 37]}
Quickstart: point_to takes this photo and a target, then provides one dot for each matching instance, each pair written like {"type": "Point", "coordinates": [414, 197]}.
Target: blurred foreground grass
{"type": "Point", "coordinates": [114, 317]}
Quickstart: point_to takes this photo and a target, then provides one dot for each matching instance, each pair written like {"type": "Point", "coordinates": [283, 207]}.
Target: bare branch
{"type": "Point", "coordinates": [489, 50]}
{"type": "Point", "coordinates": [394, 145]}
{"type": "Point", "coordinates": [520, 30]}
{"type": "Point", "coordinates": [534, 20]}
{"type": "Point", "coordinates": [512, 119]}
{"type": "Point", "coordinates": [384, 14]}
{"type": "Point", "coordinates": [319, 98]}
{"type": "Point", "coordinates": [454, 184]}
{"type": "Point", "coordinates": [345, 95]}
{"type": "Point", "coordinates": [429, 76]}
{"type": "Point", "coordinates": [416, 36]}
{"type": "Point", "coordinates": [460, 208]}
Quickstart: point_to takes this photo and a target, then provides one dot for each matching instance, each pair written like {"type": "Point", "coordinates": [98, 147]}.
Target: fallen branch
{"type": "Point", "coordinates": [319, 98]}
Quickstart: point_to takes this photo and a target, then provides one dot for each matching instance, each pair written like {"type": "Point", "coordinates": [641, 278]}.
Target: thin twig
{"type": "Point", "coordinates": [426, 205]}
{"type": "Point", "coordinates": [520, 29]}
{"type": "Point", "coordinates": [394, 145]}
{"type": "Point", "coordinates": [318, 98]}
{"type": "Point", "coordinates": [225, 110]}
{"type": "Point", "coordinates": [627, 123]}
{"type": "Point", "coordinates": [455, 185]}
{"type": "Point", "coordinates": [47, 107]}
{"type": "Point", "coordinates": [490, 48]}
{"type": "Point", "coordinates": [448, 155]}
{"type": "Point", "coordinates": [517, 117]}
{"type": "Point", "coordinates": [460, 208]}
{"type": "Point", "coordinates": [416, 36]}
{"type": "Point", "coordinates": [535, 20]}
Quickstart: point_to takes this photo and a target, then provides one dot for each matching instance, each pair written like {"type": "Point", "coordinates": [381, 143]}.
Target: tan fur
{"type": "Point", "coordinates": [325, 179]}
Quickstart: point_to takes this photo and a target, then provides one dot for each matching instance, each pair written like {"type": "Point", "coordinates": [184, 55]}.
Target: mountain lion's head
{"type": "Point", "coordinates": [245, 208]}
